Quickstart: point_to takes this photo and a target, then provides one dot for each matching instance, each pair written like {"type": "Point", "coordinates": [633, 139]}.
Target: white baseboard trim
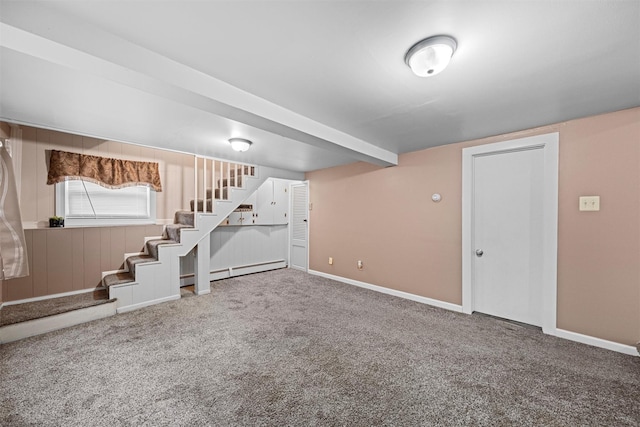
{"type": "Point", "coordinates": [597, 342]}
{"type": "Point", "coordinates": [147, 303]}
{"type": "Point", "coordinates": [45, 297]}
{"type": "Point", "coordinates": [204, 292]}
{"type": "Point", "coordinates": [396, 293]}
{"type": "Point", "coordinates": [43, 325]}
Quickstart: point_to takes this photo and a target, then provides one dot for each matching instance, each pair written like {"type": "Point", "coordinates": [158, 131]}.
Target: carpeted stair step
{"type": "Point", "coordinates": [134, 260]}
{"type": "Point", "coordinates": [172, 231]}
{"type": "Point", "coordinates": [183, 217]}
{"type": "Point", "coordinates": [152, 246]}
{"type": "Point", "coordinates": [117, 279]}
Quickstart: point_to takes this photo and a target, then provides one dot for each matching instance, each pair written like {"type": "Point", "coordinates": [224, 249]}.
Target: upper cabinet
{"type": "Point", "coordinates": [280, 201]}
{"type": "Point", "coordinates": [272, 204]}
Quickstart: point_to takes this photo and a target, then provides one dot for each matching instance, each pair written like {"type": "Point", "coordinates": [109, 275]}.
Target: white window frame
{"type": "Point", "coordinates": [101, 221]}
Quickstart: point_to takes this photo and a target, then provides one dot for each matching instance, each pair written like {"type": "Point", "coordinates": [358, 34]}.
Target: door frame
{"type": "Point", "coordinates": [549, 144]}
{"type": "Point", "coordinates": [290, 227]}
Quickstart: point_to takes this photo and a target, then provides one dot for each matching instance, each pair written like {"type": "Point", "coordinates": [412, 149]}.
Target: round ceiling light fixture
{"type": "Point", "coordinates": [240, 144]}
{"type": "Point", "coordinates": [430, 56]}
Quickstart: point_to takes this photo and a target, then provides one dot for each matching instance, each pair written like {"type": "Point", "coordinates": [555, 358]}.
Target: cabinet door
{"type": "Point", "coordinates": [235, 218]}
{"type": "Point", "coordinates": [280, 202]}
{"type": "Point", "coordinates": [264, 203]}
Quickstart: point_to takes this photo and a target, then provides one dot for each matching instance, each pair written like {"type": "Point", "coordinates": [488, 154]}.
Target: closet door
{"type": "Point", "coordinates": [299, 226]}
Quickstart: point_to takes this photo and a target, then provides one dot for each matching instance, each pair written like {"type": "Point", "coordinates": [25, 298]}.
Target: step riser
{"type": "Point", "coordinates": [184, 217]}
{"type": "Point", "coordinates": [153, 245]}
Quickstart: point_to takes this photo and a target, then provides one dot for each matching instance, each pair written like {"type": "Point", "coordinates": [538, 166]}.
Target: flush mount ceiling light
{"type": "Point", "coordinates": [430, 56]}
{"type": "Point", "coordinates": [240, 144]}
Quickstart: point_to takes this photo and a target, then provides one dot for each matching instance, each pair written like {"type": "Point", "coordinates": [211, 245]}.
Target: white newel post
{"type": "Point", "coordinates": [201, 267]}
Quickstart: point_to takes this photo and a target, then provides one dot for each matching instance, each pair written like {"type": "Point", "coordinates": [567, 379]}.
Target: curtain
{"type": "Point", "coordinates": [13, 250]}
{"type": "Point", "coordinates": [104, 171]}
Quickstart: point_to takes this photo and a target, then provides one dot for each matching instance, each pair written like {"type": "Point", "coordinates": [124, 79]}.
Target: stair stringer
{"type": "Point", "coordinates": [159, 281]}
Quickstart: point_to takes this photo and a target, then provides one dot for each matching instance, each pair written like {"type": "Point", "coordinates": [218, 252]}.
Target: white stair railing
{"type": "Point", "coordinates": [212, 174]}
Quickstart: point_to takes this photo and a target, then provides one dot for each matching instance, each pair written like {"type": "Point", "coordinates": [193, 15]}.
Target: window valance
{"type": "Point", "coordinates": [104, 171]}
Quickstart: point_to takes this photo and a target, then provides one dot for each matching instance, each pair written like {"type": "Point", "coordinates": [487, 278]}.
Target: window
{"type": "Point", "coordinates": [83, 203]}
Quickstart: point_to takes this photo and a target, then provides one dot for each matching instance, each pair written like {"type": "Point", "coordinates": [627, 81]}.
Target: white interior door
{"type": "Point", "coordinates": [299, 226]}
{"type": "Point", "coordinates": [507, 224]}
{"type": "Point", "coordinates": [510, 219]}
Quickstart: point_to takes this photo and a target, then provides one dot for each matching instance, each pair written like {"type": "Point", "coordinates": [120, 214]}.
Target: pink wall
{"type": "Point", "coordinates": [599, 252]}
{"type": "Point", "coordinates": [384, 216]}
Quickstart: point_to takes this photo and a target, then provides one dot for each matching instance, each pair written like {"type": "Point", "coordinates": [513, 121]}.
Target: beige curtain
{"type": "Point", "coordinates": [104, 171]}
{"type": "Point", "coordinates": [13, 250]}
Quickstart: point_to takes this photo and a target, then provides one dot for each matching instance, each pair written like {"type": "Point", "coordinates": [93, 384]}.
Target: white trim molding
{"type": "Point", "coordinates": [46, 297]}
{"type": "Point", "coordinates": [132, 307]}
{"type": "Point", "coordinates": [549, 144]}
{"type": "Point", "coordinates": [30, 328]}
{"type": "Point", "coordinates": [597, 342]}
{"type": "Point", "coordinates": [393, 292]}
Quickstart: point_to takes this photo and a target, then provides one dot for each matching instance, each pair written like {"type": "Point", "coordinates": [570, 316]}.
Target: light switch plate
{"type": "Point", "coordinates": [589, 203]}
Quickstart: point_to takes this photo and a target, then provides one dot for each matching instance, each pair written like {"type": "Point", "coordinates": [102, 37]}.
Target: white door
{"type": "Point", "coordinates": [299, 225]}
{"type": "Point", "coordinates": [510, 230]}
{"type": "Point", "coordinates": [507, 224]}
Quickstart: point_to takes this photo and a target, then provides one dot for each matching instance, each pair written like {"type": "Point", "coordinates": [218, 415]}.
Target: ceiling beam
{"type": "Point", "coordinates": [89, 50]}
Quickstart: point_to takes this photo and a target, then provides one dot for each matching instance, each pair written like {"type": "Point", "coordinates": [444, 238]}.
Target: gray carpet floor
{"type": "Point", "coordinates": [285, 348]}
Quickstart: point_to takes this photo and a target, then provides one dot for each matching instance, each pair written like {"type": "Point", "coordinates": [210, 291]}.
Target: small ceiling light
{"type": "Point", "coordinates": [431, 55]}
{"type": "Point", "coordinates": [240, 144]}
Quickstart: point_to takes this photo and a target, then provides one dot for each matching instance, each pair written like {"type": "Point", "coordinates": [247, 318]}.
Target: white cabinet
{"type": "Point", "coordinates": [245, 214]}
{"type": "Point", "coordinates": [240, 218]}
{"type": "Point", "coordinates": [264, 203]}
{"type": "Point", "coordinates": [272, 204]}
{"type": "Point", "coordinates": [280, 202]}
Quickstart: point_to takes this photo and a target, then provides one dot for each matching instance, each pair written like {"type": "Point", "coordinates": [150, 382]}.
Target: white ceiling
{"type": "Point", "coordinates": [312, 83]}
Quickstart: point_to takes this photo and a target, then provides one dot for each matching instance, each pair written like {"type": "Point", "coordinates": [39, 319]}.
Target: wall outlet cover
{"type": "Point", "coordinates": [589, 203]}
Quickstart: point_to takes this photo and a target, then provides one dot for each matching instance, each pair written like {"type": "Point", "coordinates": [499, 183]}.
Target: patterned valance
{"type": "Point", "coordinates": [104, 171]}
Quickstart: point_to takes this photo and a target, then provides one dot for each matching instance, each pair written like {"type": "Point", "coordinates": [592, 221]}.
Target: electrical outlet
{"type": "Point", "coordinates": [330, 260]}
{"type": "Point", "coordinates": [360, 266]}
{"type": "Point", "coordinates": [589, 203]}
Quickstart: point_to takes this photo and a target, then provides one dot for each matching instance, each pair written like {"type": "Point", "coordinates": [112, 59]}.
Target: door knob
{"type": "Point", "coordinates": [479, 253]}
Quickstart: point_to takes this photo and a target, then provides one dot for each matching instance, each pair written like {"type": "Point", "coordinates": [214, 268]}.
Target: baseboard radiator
{"type": "Point", "coordinates": [239, 270]}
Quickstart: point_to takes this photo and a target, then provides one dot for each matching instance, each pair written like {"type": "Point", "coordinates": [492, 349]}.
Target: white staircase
{"type": "Point", "coordinates": [156, 277]}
